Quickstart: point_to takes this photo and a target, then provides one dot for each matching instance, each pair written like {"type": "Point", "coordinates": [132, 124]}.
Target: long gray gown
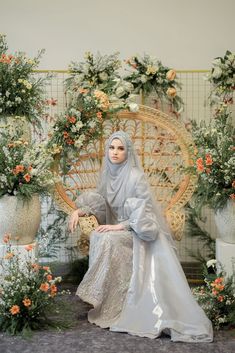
{"type": "Point", "coordinates": [135, 281]}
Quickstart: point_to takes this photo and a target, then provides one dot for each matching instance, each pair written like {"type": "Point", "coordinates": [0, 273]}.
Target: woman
{"type": "Point", "coordinates": [135, 281]}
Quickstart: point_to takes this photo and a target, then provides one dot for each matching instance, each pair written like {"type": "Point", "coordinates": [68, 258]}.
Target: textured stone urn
{"type": "Point", "coordinates": [225, 222]}
{"type": "Point", "coordinates": [19, 218]}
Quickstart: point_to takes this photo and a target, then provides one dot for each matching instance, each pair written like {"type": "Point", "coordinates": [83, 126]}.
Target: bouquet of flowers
{"type": "Point", "coordinates": [217, 297]}
{"type": "Point", "coordinates": [24, 168]}
{"type": "Point", "coordinates": [101, 73]}
{"type": "Point", "coordinates": [97, 72]}
{"type": "Point", "coordinates": [21, 93]}
{"type": "Point", "coordinates": [214, 161]}
{"type": "Point", "coordinates": [149, 75]}
{"type": "Point", "coordinates": [222, 77]}
{"type": "Point", "coordinates": [81, 123]}
{"type": "Point", "coordinates": [27, 291]}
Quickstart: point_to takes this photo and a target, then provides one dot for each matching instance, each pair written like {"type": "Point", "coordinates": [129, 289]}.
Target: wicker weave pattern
{"type": "Point", "coordinates": [162, 144]}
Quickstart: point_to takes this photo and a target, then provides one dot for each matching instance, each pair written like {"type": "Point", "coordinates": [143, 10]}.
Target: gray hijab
{"type": "Point", "coordinates": [114, 177]}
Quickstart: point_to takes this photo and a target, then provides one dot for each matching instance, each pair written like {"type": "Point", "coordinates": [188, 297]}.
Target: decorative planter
{"type": "Point", "coordinates": [19, 218]}
{"type": "Point", "coordinates": [225, 222]}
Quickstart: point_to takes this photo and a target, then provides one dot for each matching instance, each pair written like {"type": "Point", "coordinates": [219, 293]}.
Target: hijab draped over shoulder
{"type": "Point", "coordinates": [114, 179]}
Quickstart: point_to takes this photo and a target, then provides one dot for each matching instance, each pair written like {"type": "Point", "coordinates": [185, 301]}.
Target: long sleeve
{"type": "Point", "coordinates": [140, 213]}
{"type": "Point", "coordinates": [92, 202]}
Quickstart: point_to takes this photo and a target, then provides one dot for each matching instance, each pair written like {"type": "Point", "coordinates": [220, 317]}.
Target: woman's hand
{"type": "Point", "coordinates": [73, 221]}
{"type": "Point", "coordinates": [109, 227]}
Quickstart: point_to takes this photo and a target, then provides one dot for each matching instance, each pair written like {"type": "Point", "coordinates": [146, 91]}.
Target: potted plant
{"type": "Point", "coordinates": [27, 292]}
{"type": "Point", "coordinates": [21, 92]}
{"type": "Point", "coordinates": [24, 174]}
{"type": "Point", "coordinates": [214, 164]}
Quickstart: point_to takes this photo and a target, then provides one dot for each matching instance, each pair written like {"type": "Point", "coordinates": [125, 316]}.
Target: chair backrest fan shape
{"type": "Point", "coordinates": [163, 146]}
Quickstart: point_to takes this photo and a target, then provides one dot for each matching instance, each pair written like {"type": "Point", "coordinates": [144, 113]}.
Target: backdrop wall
{"type": "Point", "coordinates": [185, 34]}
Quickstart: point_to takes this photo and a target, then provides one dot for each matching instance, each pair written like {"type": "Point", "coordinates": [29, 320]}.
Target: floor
{"type": "Point", "coordinates": [83, 337]}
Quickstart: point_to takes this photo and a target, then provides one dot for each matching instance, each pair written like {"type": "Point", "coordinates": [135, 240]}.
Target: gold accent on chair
{"type": "Point", "coordinates": [163, 145]}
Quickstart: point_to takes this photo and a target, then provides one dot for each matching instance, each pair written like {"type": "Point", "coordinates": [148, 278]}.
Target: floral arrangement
{"type": "Point", "coordinates": [214, 161]}
{"type": "Point", "coordinates": [100, 72]}
{"type": "Point", "coordinates": [222, 77]}
{"type": "Point", "coordinates": [21, 93]}
{"type": "Point", "coordinates": [24, 168]}
{"type": "Point", "coordinates": [149, 75]}
{"type": "Point", "coordinates": [96, 72]}
{"type": "Point", "coordinates": [27, 291]}
{"type": "Point", "coordinates": [217, 297]}
{"type": "Point", "coordinates": [81, 123]}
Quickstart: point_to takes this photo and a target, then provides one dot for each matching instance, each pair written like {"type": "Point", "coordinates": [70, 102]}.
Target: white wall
{"type": "Point", "coordinates": [185, 34]}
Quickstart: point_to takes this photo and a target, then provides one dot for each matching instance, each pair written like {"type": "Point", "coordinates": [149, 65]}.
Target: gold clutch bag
{"type": "Point", "coordinates": [87, 224]}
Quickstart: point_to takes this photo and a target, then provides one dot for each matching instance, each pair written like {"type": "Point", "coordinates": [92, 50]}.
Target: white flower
{"type": "Point", "coordinates": [133, 107]}
{"type": "Point", "coordinates": [120, 91]}
{"type": "Point", "coordinates": [103, 76]}
{"type": "Point", "coordinates": [143, 78]}
{"type": "Point", "coordinates": [211, 263]}
{"type": "Point", "coordinates": [217, 72]}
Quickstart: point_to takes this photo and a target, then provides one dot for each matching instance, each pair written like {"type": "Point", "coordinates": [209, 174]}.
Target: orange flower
{"type": "Point", "coordinates": [66, 135]}
{"type": "Point", "coordinates": [209, 160]}
{"type": "Point", "coordinates": [219, 280]}
{"type": "Point", "coordinates": [53, 290]}
{"type": "Point", "coordinates": [133, 65]}
{"type": "Point", "coordinates": [30, 168]}
{"type": "Point", "coordinates": [232, 196]}
{"type": "Point", "coordinates": [99, 115]}
{"type": "Point", "coordinates": [70, 141]}
{"type": "Point", "coordinates": [200, 166]}
{"type": "Point", "coordinates": [6, 238]}
{"type": "Point", "coordinates": [27, 302]}
{"type": "Point", "coordinates": [214, 292]}
{"type": "Point", "coordinates": [233, 184]}
{"type": "Point", "coordinates": [44, 287]}
{"type": "Point", "coordinates": [15, 309]}
{"type": "Point", "coordinates": [49, 278]}
{"type": "Point", "coordinates": [220, 298]}
{"type": "Point", "coordinates": [9, 255]}
{"type": "Point", "coordinates": [36, 267]}
{"type": "Point", "coordinates": [83, 90]}
{"type": "Point", "coordinates": [18, 169]}
{"type": "Point", "coordinates": [27, 177]}
{"type": "Point", "coordinates": [29, 247]}
{"type": "Point", "coordinates": [46, 268]}
{"type": "Point", "coordinates": [71, 119]}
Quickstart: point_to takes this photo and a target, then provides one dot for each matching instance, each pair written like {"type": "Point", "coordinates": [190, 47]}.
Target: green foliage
{"type": "Point", "coordinates": [149, 75]}
{"type": "Point", "coordinates": [96, 72]}
{"type": "Point", "coordinates": [24, 168]}
{"type": "Point", "coordinates": [27, 291]}
{"type": "Point", "coordinates": [194, 230]}
{"type": "Point", "coordinates": [222, 77]}
{"type": "Point", "coordinates": [214, 161]}
{"type": "Point", "coordinates": [54, 234]}
{"type": "Point", "coordinates": [22, 93]}
{"type": "Point", "coordinates": [217, 297]}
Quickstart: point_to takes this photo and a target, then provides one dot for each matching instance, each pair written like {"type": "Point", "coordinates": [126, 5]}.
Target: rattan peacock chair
{"type": "Point", "coordinates": [163, 145]}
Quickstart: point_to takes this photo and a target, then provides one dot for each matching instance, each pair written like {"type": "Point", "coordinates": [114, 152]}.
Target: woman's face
{"type": "Point", "coordinates": [117, 152]}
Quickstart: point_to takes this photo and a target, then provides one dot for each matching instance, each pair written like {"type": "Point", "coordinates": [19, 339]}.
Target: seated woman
{"type": "Point", "coordinates": [135, 281]}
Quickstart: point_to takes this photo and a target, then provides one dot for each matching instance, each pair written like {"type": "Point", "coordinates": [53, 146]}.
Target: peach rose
{"type": "Point", "coordinates": [171, 75]}
{"type": "Point", "coordinates": [171, 92]}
